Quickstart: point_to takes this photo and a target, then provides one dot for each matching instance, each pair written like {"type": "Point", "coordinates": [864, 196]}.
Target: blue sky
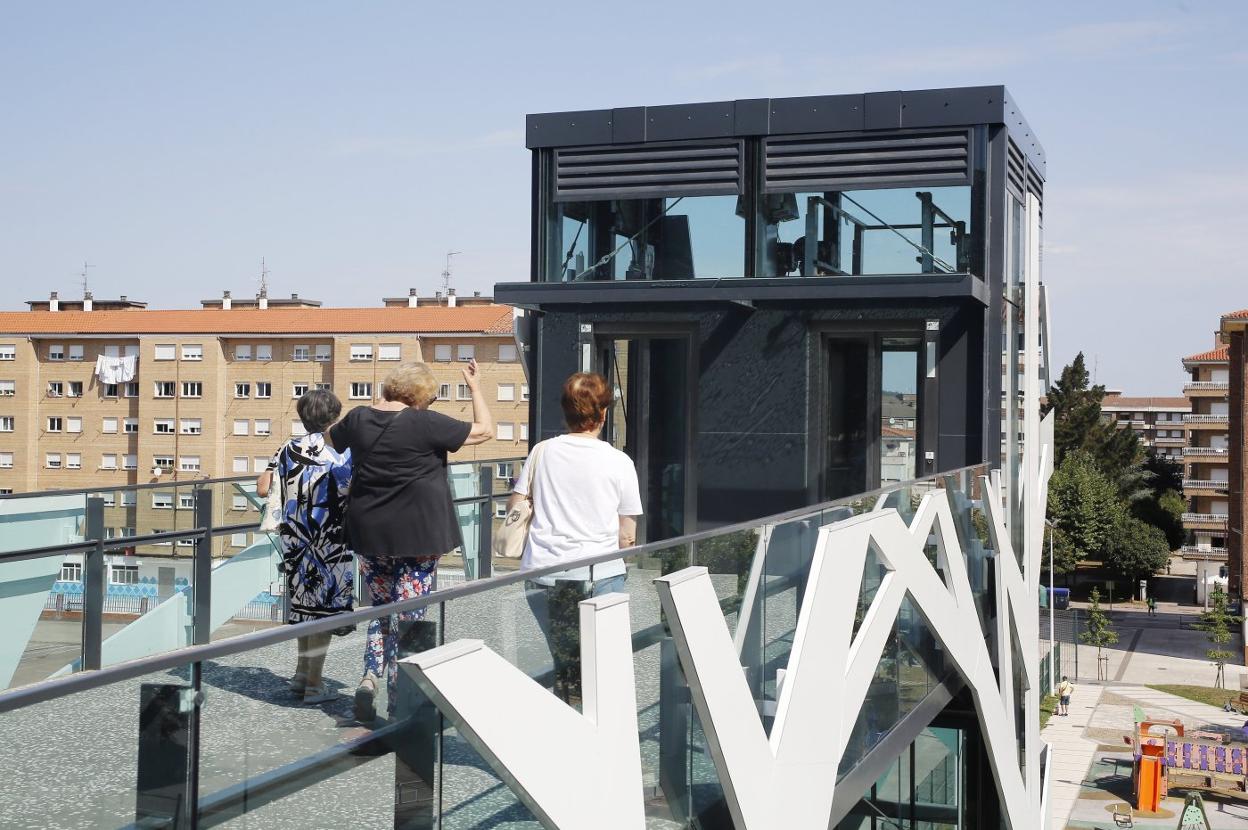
{"type": "Point", "coordinates": [174, 145]}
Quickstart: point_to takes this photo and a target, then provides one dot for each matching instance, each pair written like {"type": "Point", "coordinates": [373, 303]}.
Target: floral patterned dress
{"type": "Point", "coordinates": [317, 565]}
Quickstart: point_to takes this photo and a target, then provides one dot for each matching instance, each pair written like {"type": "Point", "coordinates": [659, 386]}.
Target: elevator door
{"type": "Point", "coordinates": [650, 423]}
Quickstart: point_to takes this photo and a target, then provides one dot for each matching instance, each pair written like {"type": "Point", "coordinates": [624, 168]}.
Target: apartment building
{"type": "Point", "coordinates": [1161, 423]}
{"type": "Point", "coordinates": [1206, 455]}
{"type": "Point", "coordinates": [104, 394]}
{"type": "Point", "coordinates": [1234, 331]}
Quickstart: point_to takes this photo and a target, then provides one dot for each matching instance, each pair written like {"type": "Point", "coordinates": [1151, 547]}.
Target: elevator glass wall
{"type": "Point", "coordinates": [922, 790]}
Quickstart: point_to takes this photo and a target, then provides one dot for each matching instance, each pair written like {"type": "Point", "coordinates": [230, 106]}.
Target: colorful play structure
{"type": "Point", "coordinates": [1166, 756]}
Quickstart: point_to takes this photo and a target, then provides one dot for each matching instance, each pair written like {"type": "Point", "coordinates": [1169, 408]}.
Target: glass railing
{"type": "Point", "coordinates": [93, 578]}
{"type": "Point", "coordinates": [212, 731]}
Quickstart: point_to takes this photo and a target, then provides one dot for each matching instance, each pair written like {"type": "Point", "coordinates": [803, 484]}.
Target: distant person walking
{"type": "Point", "coordinates": [312, 478]}
{"type": "Point", "coordinates": [1152, 606]}
{"type": "Point", "coordinates": [400, 518]}
{"type": "Point", "coordinates": [1064, 690]}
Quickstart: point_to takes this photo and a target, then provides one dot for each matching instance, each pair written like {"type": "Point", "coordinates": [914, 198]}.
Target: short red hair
{"type": "Point", "coordinates": [586, 399]}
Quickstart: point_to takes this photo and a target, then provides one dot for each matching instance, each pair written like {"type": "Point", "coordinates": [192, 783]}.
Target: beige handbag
{"type": "Point", "coordinates": [510, 539]}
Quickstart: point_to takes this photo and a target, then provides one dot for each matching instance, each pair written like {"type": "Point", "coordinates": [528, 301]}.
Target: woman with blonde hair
{"type": "Point", "coordinates": [400, 517]}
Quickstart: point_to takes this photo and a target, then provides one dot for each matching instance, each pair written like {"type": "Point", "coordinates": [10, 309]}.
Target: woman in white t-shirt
{"type": "Point", "coordinates": [585, 502]}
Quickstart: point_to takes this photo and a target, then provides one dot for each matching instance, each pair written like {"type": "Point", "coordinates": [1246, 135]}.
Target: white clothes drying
{"type": "Point", "coordinates": [116, 369]}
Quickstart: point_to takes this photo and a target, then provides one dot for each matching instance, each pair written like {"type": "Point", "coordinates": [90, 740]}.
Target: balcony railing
{"type": "Point", "coordinates": [158, 771]}
{"type": "Point", "coordinates": [1218, 519]}
{"type": "Point", "coordinates": [1170, 440]}
{"type": "Point", "coordinates": [1205, 418]}
{"type": "Point", "coordinates": [1206, 385]}
{"type": "Point", "coordinates": [1194, 552]}
{"type": "Point", "coordinates": [1205, 484]}
{"type": "Point", "coordinates": [1217, 451]}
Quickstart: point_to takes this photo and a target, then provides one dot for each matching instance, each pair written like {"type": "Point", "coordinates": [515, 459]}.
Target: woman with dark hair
{"type": "Point", "coordinates": [586, 501]}
{"type": "Point", "coordinates": [313, 478]}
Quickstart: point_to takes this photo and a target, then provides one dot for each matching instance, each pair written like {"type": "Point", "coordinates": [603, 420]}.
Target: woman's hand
{"type": "Point", "coordinates": [472, 375]}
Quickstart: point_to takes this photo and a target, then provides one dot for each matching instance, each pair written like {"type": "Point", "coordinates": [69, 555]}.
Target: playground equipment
{"type": "Point", "coordinates": [1165, 757]}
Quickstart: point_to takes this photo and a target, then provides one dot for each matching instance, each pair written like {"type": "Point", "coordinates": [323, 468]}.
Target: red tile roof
{"type": "Point", "coordinates": [1242, 314]}
{"type": "Point", "coordinates": [1221, 353]}
{"type": "Point", "coordinates": [1121, 402]}
{"type": "Point", "coordinates": [485, 319]}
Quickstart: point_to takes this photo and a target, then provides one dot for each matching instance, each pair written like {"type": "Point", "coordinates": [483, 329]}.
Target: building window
{"type": "Point", "coordinates": [109, 498]}
{"type": "Point", "coordinates": [130, 425]}
{"type": "Point", "coordinates": [524, 432]}
{"type": "Point", "coordinates": [165, 351]}
{"type": "Point", "coordinates": [462, 392]}
{"type": "Point", "coordinates": [240, 464]}
{"type": "Point", "coordinates": [186, 501]}
{"type": "Point", "coordinates": [506, 391]}
{"type": "Point", "coordinates": [131, 389]}
{"type": "Point", "coordinates": [165, 388]}
{"type": "Point", "coordinates": [71, 572]}
{"type": "Point", "coordinates": [524, 391]}
{"type": "Point", "coordinates": [242, 351]}
{"type": "Point", "coordinates": [6, 491]}
{"type": "Point", "coordinates": [162, 426]}
{"type": "Point", "coordinates": [129, 461]}
{"type": "Point", "coordinates": [238, 540]}
{"type": "Point", "coordinates": [188, 463]}
{"type": "Point", "coordinates": [73, 424]}
{"type": "Point", "coordinates": [52, 460]}
{"type": "Point", "coordinates": [73, 461]}
{"type": "Point", "coordinates": [56, 352]}
{"type": "Point", "coordinates": [500, 509]}
{"type": "Point", "coordinates": [192, 351]}
{"type": "Point", "coordinates": [8, 352]}
{"type": "Point", "coordinates": [8, 388]}
{"type": "Point", "coordinates": [504, 470]}
{"type": "Point", "coordinates": [109, 390]}
{"type": "Point", "coordinates": [264, 352]}
{"type": "Point", "coordinates": [442, 352]}
{"type": "Point", "coordinates": [297, 429]}
{"type": "Point", "coordinates": [7, 423]}
{"type": "Point", "coordinates": [444, 391]}
{"type": "Point", "coordinates": [241, 426]}
{"type": "Point", "coordinates": [361, 391]}
{"type": "Point", "coordinates": [123, 574]}
{"type": "Point", "coordinates": [264, 389]}
{"type": "Point", "coordinates": [298, 390]}
{"type": "Point", "coordinates": [323, 387]}
{"type": "Point", "coordinates": [506, 432]}
{"type": "Point", "coordinates": [259, 464]}
{"type": "Point", "coordinates": [242, 390]}
{"type": "Point", "coordinates": [238, 503]}
{"type": "Point", "coordinates": [75, 389]}
{"type": "Point", "coordinates": [162, 530]}
{"type": "Point", "coordinates": [389, 351]}
{"type": "Point", "coordinates": [56, 389]}
{"type": "Point", "coordinates": [301, 354]}
{"type": "Point", "coordinates": [6, 460]}
{"type": "Point", "coordinates": [324, 352]}
{"type": "Point", "coordinates": [192, 389]}
{"type": "Point", "coordinates": [108, 461]}
{"type": "Point", "coordinates": [466, 352]}
{"type": "Point", "coordinates": [506, 353]}
{"type": "Point", "coordinates": [162, 501]}
{"type": "Point", "coordinates": [191, 426]}
{"type": "Point", "coordinates": [163, 462]}
{"type": "Point", "coordinates": [263, 426]}
{"type": "Point", "coordinates": [361, 351]}
{"type": "Point", "coordinates": [75, 353]}
{"type": "Point", "coordinates": [55, 423]}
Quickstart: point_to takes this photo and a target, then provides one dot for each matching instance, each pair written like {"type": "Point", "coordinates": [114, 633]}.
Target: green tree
{"type": "Point", "coordinates": [1076, 408]}
{"type": "Point", "coordinates": [1216, 623]}
{"type": "Point", "coordinates": [1164, 512]}
{"type": "Point", "coordinates": [1167, 474]}
{"type": "Point", "coordinates": [1136, 549]}
{"type": "Point", "coordinates": [1083, 506]}
{"type": "Point", "coordinates": [1100, 633]}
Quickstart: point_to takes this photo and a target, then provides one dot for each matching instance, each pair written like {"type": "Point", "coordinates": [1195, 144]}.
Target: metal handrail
{"type": "Point", "coordinates": [83, 681]}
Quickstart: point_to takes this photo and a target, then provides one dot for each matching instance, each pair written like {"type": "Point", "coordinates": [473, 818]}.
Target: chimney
{"type": "Point", "coordinates": [411, 298]}
{"type": "Point", "coordinates": [262, 298]}
{"type": "Point", "coordinates": [450, 298]}
{"type": "Point", "coordinates": [294, 296]}
{"type": "Point", "coordinates": [123, 298]}
{"type": "Point", "coordinates": [226, 302]}
{"type": "Point", "coordinates": [476, 293]}
{"type": "Point", "coordinates": [54, 304]}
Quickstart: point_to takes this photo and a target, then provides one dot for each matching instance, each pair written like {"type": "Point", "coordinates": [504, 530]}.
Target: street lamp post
{"type": "Point", "coordinates": [1052, 593]}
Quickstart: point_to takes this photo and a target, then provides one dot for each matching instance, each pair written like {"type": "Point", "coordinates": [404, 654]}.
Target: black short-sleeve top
{"type": "Point", "coordinates": [400, 503]}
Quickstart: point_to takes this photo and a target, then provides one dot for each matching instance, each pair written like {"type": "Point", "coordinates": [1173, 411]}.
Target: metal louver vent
{"type": "Point", "coordinates": [1015, 166]}
{"type": "Point", "coordinates": [638, 171]}
{"type": "Point", "coordinates": [838, 162]}
{"type": "Point", "coordinates": [1034, 183]}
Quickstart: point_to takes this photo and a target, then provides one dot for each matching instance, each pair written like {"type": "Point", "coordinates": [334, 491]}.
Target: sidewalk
{"type": "Point", "coordinates": [1072, 752]}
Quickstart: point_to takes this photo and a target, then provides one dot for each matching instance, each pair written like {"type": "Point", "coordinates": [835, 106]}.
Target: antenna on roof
{"type": "Point", "coordinates": [446, 273]}
{"type": "Point", "coordinates": [85, 287]}
{"type": "Point", "coordinates": [264, 279]}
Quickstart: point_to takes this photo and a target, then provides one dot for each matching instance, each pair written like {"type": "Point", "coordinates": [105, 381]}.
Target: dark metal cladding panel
{"type": "Point", "coordinates": [628, 125]}
{"type": "Point", "coordinates": [683, 121]}
{"type": "Point", "coordinates": [561, 129]}
{"type": "Point", "coordinates": [951, 107]}
{"type": "Point", "coordinates": [796, 164]}
{"type": "Point", "coordinates": [883, 110]}
{"type": "Point", "coordinates": [752, 116]}
{"type": "Point", "coordinates": [1021, 132]}
{"type": "Point", "coordinates": [1015, 175]}
{"type": "Point", "coordinates": [817, 113]}
{"type": "Point", "coordinates": [639, 171]}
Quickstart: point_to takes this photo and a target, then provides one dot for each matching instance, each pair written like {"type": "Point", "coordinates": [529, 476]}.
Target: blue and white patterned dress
{"type": "Point", "coordinates": [318, 566]}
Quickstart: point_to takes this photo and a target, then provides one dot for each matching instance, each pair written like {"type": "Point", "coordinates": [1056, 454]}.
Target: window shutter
{"type": "Point", "coordinates": [866, 161]}
{"type": "Point", "coordinates": [640, 171]}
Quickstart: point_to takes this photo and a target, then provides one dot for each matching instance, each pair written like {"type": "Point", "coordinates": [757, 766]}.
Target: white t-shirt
{"type": "Point", "coordinates": [580, 489]}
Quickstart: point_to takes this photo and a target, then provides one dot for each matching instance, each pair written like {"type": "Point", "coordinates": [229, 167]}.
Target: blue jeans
{"type": "Point", "coordinates": [556, 609]}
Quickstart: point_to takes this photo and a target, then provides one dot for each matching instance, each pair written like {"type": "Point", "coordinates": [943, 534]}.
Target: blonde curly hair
{"type": "Point", "coordinates": [411, 383]}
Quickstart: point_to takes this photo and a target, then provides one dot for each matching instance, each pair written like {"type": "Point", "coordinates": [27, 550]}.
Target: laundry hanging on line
{"type": "Point", "coordinates": [116, 369]}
